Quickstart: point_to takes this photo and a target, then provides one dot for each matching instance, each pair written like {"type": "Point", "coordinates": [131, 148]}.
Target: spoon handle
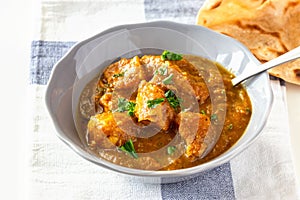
{"type": "Point", "coordinates": [289, 56]}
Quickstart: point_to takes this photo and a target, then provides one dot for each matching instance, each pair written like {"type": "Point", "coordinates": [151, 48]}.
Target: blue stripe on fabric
{"type": "Point", "coordinates": [175, 10]}
{"type": "Point", "coordinates": [44, 54]}
{"type": "Point", "coordinates": [281, 81]}
{"type": "Point", "coordinates": [214, 184]}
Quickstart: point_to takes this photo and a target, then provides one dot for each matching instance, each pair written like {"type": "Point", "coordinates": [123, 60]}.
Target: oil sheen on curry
{"type": "Point", "coordinates": [163, 112]}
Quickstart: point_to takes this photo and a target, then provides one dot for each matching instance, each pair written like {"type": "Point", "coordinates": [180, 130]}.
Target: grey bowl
{"type": "Point", "coordinates": [88, 57]}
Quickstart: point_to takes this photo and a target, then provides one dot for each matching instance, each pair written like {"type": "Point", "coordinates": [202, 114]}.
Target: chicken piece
{"type": "Point", "coordinates": [106, 101]}
{"type": "Point", "coordinates": [194, 77]}
{"type": "Point", "coordinates": [163, 70]}
{"type": "Point", "coordinates": [114, 72]}
{"type": "Point", "coordinates": [123, 77]}
{"type": "Point", "coordinates": [153, 64]}
{"type": "Point", "coordinates": [185, 77]}
{"type": "Point", "coordinates": [191, 89]}
{"type": "Point", "coordinates": [107, 130]}
{"type": "Point", "coordinates": [203, 75]}
{"type": "Point", "coordinates": [194, 128]}
{"type": "Point", "coordinates": [199, 87]}
{"type": "Point", "coordinates": [169, 76]}
{"type": "Point", "coordinates": [133, 73]}
{"type": "Point", "coordinates": [160, 113]}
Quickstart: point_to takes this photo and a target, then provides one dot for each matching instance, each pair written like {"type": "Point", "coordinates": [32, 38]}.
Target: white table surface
{"type": "Point", "coordinates": [293, 100]}
{"type": "Point", "coordinates": [16, 33]}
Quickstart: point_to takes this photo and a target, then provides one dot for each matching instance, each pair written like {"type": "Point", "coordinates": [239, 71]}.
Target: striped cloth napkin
{"type": "Point", "coordinates": [264, 171]}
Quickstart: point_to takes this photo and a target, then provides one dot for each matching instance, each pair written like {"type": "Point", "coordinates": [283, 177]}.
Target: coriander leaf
{"type": "Point", "coordinates": [169, 93]}
{"type": "Point", "coordinates": [163, 70]}
{"type": "Point", "coordinates": [153, 103]}
{"type": "Point", "coordinates": [173, 102]}
{"type": "Point", "coordinates": [122, 102]}
{"type": "Point", "coordinates": [203, 112]}
{"type": "Point", "coordinates": [124, 105]}
{"type": "Point", "coordinates": [130, 107]}
{"type": "Point", "coordinates": [118, 75]}
{"type": "Point", "coordinates": [171, 150]}
{"type": "Point", "coordinates": [167, 55]}
{"type": "Point", "coordinates": [129, 148]}
{"type": "Point", "coordinates": [168, 80]}
{"type": "Point", "coordinates": [172, 99]}
{"type": "Point", "coordinates": [214, 117]}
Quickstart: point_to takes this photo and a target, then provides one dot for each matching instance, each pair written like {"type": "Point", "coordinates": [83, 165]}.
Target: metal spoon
{"type": "Point", "coordinates": [289, 56]}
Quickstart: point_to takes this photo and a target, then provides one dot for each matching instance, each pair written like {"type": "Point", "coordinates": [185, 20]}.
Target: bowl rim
{"type": "Point", "coordinates": [150, 173]}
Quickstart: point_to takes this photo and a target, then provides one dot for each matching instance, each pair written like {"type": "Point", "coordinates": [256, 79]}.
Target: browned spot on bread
{"type": "Point", "coordinates": [216, 4]}
{"type": "Point", "coordinates": [297, 72]}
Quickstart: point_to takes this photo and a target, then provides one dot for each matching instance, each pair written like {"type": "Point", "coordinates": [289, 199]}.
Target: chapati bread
{"type": "Point", "coordinates": [268, 28]}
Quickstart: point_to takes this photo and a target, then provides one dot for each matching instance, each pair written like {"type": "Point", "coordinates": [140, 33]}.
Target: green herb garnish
{"type": "Point", "coordinates": [130, 107]}
{"type": "Point", "coordinates": [124, 105]}
{"type": "Point", "coordinates": [153, 103]}
{"type": "Point", "coordinates": [167, 55]}
{"type": "Point", "coordinates": [171, 150]}
{"type": "Point", "coordinates": [202, 112]}
{"type": "Point", "coordinates": [214, 117]}
{"type": "Point", "coordinates": [118, 75]}
{"type": "Point", "coordinates": [169, 94]}
{"type": "Point", "coordinates": [129, 148]}
{"type": "Point", "coordinates": [172, 99]}
{"type": "Point", "coordinates": [230, 126]}
{"type": "Point", "coordinates": [168, 80]}
{"type": "Point", "coordinates": [163, 70]}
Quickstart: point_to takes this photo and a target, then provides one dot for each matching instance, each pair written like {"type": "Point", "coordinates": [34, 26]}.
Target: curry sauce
{"type": "Point", "coordinates": [163, 113]}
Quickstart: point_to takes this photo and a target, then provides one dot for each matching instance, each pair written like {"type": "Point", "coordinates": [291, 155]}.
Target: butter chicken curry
{"type": "Point", "coordinates": [162, 112]}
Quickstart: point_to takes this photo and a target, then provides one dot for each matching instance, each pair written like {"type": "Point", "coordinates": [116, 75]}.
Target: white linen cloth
{"type": "Point", "coordinates": [263, 171]}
